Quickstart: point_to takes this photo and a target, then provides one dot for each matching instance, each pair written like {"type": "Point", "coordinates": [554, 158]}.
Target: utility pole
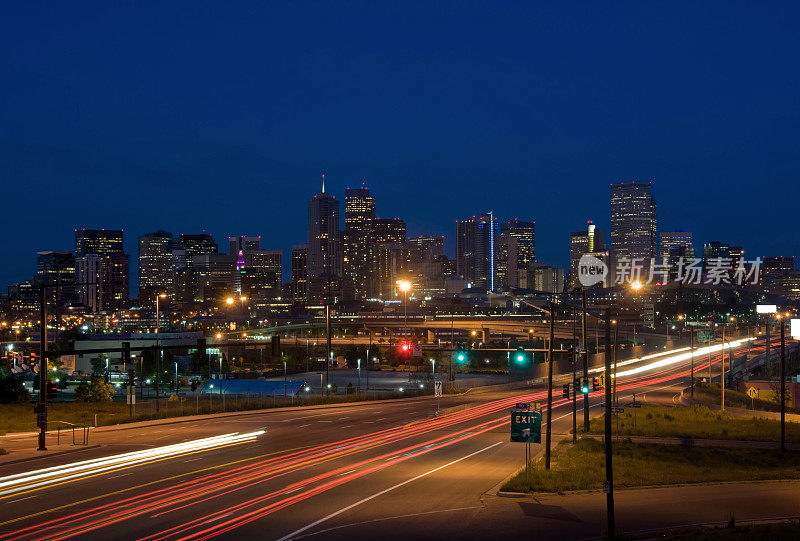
{"type": "Point", "coordinates": [328, 350]}
{"type": "Point", "coordinates": [574, 369]}
{"type": "Point", "coordinates": [41, 412]}
{"type": "Point", "coordinates": [549, 388]}
{"type": "Point", "coordinates": [616, 398]}
{"type": "Point", "coordinates": [691, 333]}
{"type": "Point", "coordinates": [585, 365]}
{"type": "Point", "coordinates": [609, 488]}
{"type": "Point", "coordinates": [722, 369]}
{"type": "Point", "coordinates": [783, 386]}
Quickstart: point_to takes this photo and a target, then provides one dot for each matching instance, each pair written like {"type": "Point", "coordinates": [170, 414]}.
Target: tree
{"type": "Point", "coordinates": [96, 391]}
{"type": "Point", "coordinates": [99, 365]}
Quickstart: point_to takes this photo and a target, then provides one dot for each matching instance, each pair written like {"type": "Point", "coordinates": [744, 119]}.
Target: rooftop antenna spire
{"type": "Point", "coordinates": [323, 182]}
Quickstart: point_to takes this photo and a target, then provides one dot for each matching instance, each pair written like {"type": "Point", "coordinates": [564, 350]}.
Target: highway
{"type": "Point", "coordinates": [389, 469]}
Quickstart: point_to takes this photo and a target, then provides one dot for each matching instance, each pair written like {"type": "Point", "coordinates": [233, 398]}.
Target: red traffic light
{"type": "Point", "coordinates": [405, 347]}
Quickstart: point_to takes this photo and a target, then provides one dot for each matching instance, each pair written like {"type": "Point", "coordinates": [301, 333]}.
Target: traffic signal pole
{"type": "Point", "coordinates": [609, 488]}
{"type": "Point", "coordinates": [585, 364]}
{"type": "Point", "coordinates": [783, 386]}
{"type": "Point", "coordinates": [549, 387]}
{"type": "Point", "coordinates": [574, 373]}
{"type": "Point", "coordinates": [41, 413]}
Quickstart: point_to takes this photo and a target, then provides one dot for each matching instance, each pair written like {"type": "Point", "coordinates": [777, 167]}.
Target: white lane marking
{"type": "Point", "coordinates": [384, 491]}
{"type": "Point", "coordinates": [301, 426]}
{"type": "Point", "coordinates": [193, 459]}
{"type": "Point", "coordinates": [346, 426]}
{"type": "Point", "coordinates": [115, 476]}
{"type": "Point", "coordinates": [21, 499]}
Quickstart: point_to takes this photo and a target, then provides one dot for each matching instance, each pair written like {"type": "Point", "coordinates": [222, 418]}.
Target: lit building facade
{"type": "Point", "coordinates": [633, 222]}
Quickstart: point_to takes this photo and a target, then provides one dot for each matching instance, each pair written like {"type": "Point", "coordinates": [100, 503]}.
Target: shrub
{"type": "Point", "coordinates": [96, 391]}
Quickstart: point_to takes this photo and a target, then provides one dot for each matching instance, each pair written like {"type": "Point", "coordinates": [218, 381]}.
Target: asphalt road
{"type": "Point", "coordinates": [388, 470]}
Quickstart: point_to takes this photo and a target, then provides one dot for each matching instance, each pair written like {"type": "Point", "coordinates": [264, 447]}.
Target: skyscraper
{"type": "Point", "coordinates": [633, 223]}
{"type": "Point", "coordinates": [262, 276]}
{"type": "Point", "coordinates": [156, 274]}
{"type": "Point", "coordinates": [324, 247]}
{"type": "Point", "coordinates": [57, 270]}
{"type": "Point", "coordinates": [357, 240]}
{"type": "Point", "coordinates": [525, 233]}
{"type": "Point", "coordinates": [108, 269]}
{"type": "Point", "coordinates": [589, 241]}
{"type": "Point", "coordinates": [389, 230]}
{"type": "Point", "coordinates": [98, 241]}
{"type": "Point", "coordinates": [243, 244]}
{"type": "Point", "coordinates": [673, 246]}
{"type": "Point", "coordinates": [475, 248]}
{"type": "Point", "coordinates": [299, 273]}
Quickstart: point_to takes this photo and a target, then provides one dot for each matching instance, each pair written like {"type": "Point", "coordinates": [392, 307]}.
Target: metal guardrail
{"type": "Point", "coordinates": [84, 432]}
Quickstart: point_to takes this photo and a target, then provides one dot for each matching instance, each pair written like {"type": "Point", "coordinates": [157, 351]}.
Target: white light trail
{"type": "Point", "coordinates": [58, 474]}
{"type": "Point", "coordinates": [685, 356]}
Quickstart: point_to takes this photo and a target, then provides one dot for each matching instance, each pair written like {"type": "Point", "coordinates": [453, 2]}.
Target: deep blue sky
{"type": "Point", "coordinates": [188, 116]}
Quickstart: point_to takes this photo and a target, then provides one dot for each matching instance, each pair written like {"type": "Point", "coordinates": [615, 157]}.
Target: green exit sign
{"type": "Point", "coordinates": [526, 427]}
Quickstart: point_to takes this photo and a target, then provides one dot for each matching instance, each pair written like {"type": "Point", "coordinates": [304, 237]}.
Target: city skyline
{"type": "Point", "coordinates": [450, 241]}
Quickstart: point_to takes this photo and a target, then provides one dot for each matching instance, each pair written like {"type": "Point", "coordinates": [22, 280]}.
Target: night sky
{"type": "Point", "coordinates": [187, 116]}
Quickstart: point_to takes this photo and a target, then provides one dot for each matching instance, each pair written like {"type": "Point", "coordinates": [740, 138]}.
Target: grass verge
{"type": "Point", "coordinates": [20, 417]}
{"type": "Point", "coordinates": [697, 422]}
{"type": "Point", "coordinates": [582, 466]}
{"type": "Point", "coordinates": [712, 394]}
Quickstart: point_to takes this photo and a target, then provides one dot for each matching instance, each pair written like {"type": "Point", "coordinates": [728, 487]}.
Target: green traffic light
{"type": "Point", "coordinates": [520, 358]}
{"type": "Point", "coordinates": [460, 357]}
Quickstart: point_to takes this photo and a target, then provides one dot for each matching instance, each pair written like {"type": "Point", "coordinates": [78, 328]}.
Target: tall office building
{"type": "Point", "coordinates": [262, 276]}
{"type": "Point", "coordinates": [670, 241]}
{"type": "Point", "coordinates": [475, 249]}
{"type": "Point", "coordinates": [633, 223]}
{"type": "Point", "coordinates": [324, 248]}
{"type": "Point", "coordinates": [589, 241]}
{"type": "Point", "coordinates": [243, 244]}
{"type": "Point", "coordinates": [299, 273]}
{"type": "Point", "coordinates": [389, 230]}
{"type": "Point", "coordinates": [57, 270]}
{"type": "Point", "coordinates": [674, 246]}
{"type": "Point", "coordinates": [357, 253]}
{"type": "Point", "coordinates": [506, 261]}
{"type": "Point", "coordinates": [719, 253]}
{"type": "Point", "coordinates": [98, 241]}
{"type": "Point", "coordinates": [197, 244]}
{"type": "Point", "coordinates": [108, 270]}
{"type": "Point", "coordinates": [525, 233]}
{"type": "Point", "coordinates": [156, 274]}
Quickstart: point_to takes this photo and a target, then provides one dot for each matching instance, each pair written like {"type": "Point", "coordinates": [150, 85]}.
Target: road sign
{"type": "Point", "coordinates": [131, 396]}
{"type": "Point", "coordinates": [522, 406]}
{"type": "Point", "coordinates": [705, 335]}
{"type": "Point", "coordinates": [602, 379]}
{"type": "Point", "coordinates": [437, 388]}
{"type": "Point", "coordinates": [526, 427]}
{"type": "Point", "coordinates": [617, 410]}
{"type": "Point", "coordinates": [752, 392]}
{"type": "Point", "coordinates": [634, 404]}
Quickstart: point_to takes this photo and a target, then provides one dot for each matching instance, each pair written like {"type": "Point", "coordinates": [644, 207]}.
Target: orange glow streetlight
{"type": "Point", "coordinates": [405, 287]}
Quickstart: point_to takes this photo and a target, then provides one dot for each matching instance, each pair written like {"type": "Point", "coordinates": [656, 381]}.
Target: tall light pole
{"type": "Point", "coordinates": [160, 356]}
{"type": "Point", "coordinates": [404, 286]}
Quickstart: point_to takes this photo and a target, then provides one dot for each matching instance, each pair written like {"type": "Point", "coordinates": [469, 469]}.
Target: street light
{"type": "Point", "coordinates": [636, 285]}
{"type": "Point", "coordinates": [160, 356]}
{"type": "Point", "coordinates": [404, 286]}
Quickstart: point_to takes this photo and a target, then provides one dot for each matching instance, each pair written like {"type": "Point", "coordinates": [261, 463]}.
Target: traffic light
{"type": "Point", "coordinates": [52, 390]}
{"type": "Point", "coordinates": [461, 357]}
{"type": "Point", "coordinates": [519, 356]}
{"type": "Point", "coordinates": [565, 390]}
{"type": "Point", "coordinates": [585, 386]}
{"type": "Point", "coordinates": [405, 347]}
{"type": "Point", "coordinates": [595, 384]}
